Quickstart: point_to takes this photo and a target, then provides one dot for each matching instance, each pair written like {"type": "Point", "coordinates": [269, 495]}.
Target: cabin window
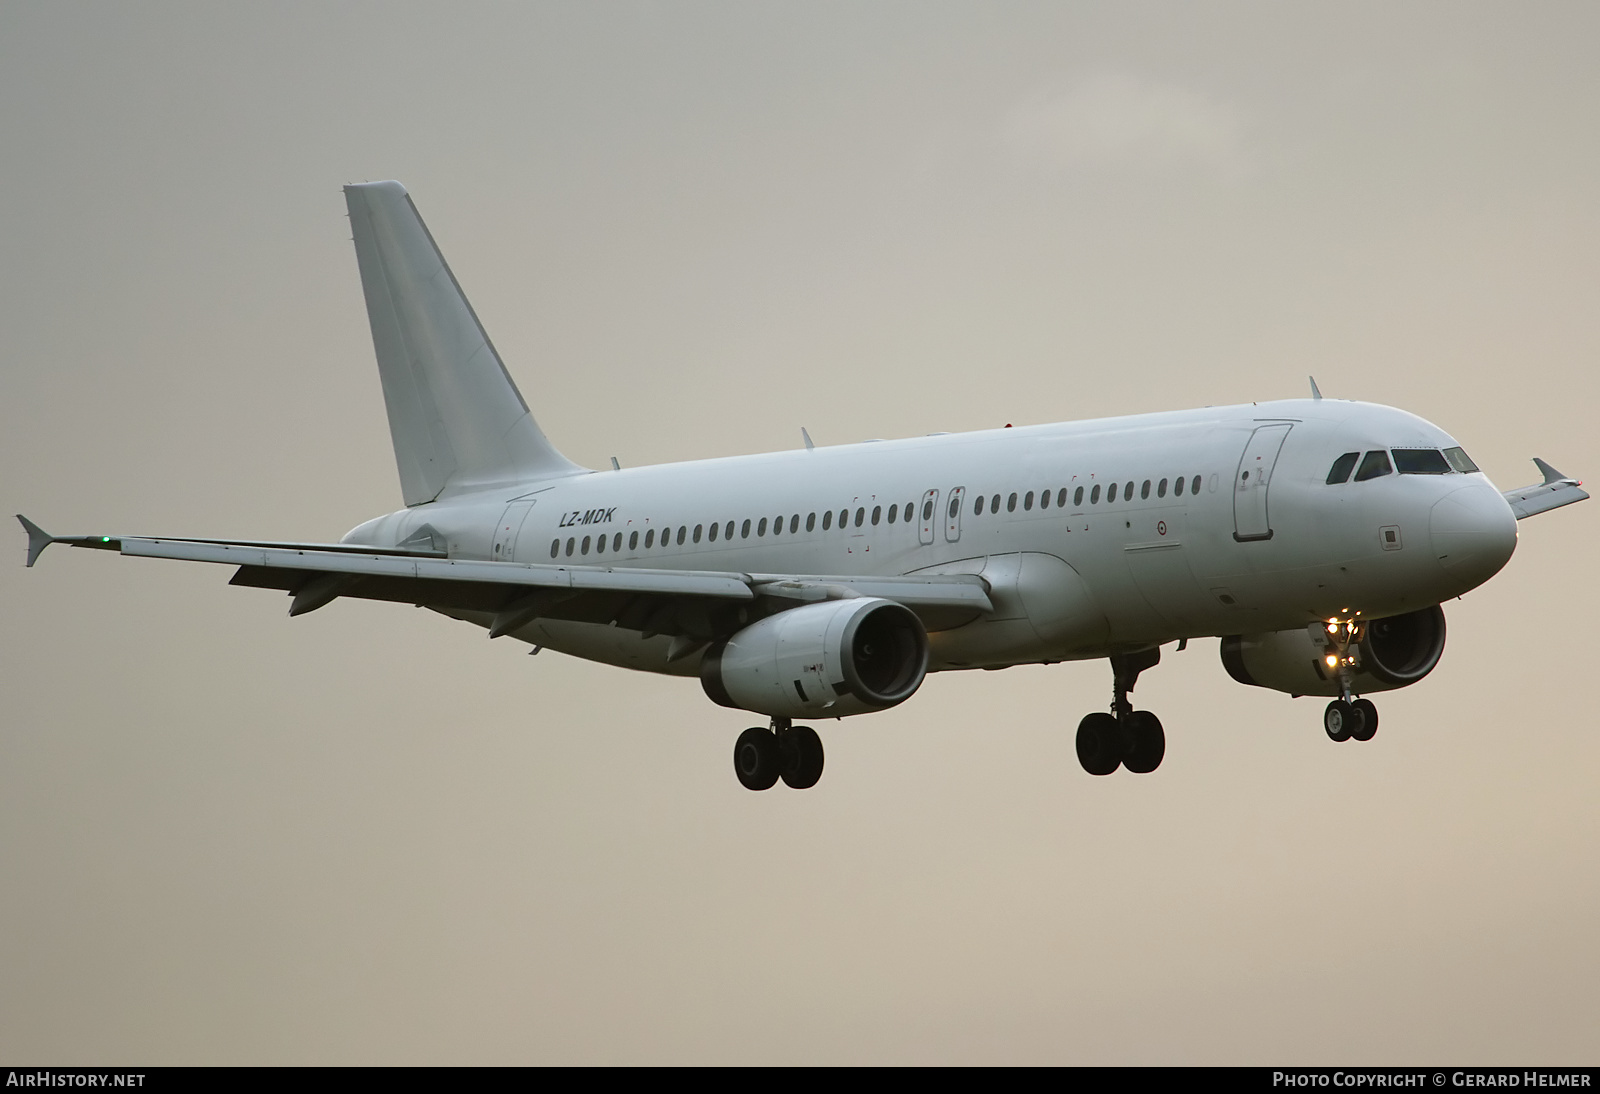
{"type": "Point", "coordinates": [1011, 504]}
{"type": "Point", "coordinates": [1194, 486]}
{"type": "Point", "coordinates": [994, 504]}
{"type": "Point", "coordinates": [777, 525]}
{"type": "Point", "coordinates": [861, 516]}
{"type": "Point", "coordinates": [1044, 499]}
{"type": "Point", "coordinates": [977, 507]}
{"type": "Point", "coordinates": [1111, 493]}
{"type": "Point", "coordinates": [761, 529]}
{"type": "Point", "coordinates": [827, 520]}
{"type": "Point", "coordinates": [1340, 471]}
{"type": "Point", "coordinates": [633, 541]}
{"type": "Point", "coordinates": [1027, 502]}
{"type": "Point", "coordinates": [727, 531]}
{"type": "Point", "coordinates": [744, 529]}
{"type": "Point", "coordinates": [682, 530]}
{"type": "Point", "coordinates": [794, 524]}
{"type": "Point", "coordinates": [1094, 495]}
{"type": "Point", "coordinates": [1144, 491]}
{"type": "Point", "coordinates": [711, 533]}
{"type": "Point", "coordinates": [1161, 488]}
{"type": "Point", "coordinates": [600, 545]}
{"type": "Point", "coordinates": [811, 522]}
{"type": "Point", "coordinates": [555, 548]}
{"type": "Point", "coordinates": [585, 548]}
{"type": "Point", "coordinates": [955, 507]}
{"type": "Point", "coordinates": [649, 539]}
{"type": "Point", "coordinates": [877, 514]}
{"type": "Point", "coordinates": [844, 519]}
{"type": "Point", "coordinates": [1460, 460]}
{"type": "Point", "coordinates": [616, 542]}
{"type": "Point", "coordinates": [570, 544]}
{"type": "Point", "coordinates": [1061, 498]}
{"type": "Point", "coordinates": [1177, 488]}
{"type": "Point", "coordinates": [1077, 496]}
{"type": "Point", "coordinates": [1420, 461]}
{"type": "Point", "coordinates": [1374, 464]}
{"type": "Point", "coordinates": [906, 514]}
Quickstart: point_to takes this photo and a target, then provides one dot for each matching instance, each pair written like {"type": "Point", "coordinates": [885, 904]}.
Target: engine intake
{"type": "Point", "coordinates": [831, 659]}
{"type": "Point", "coordinates": [1393, 653]}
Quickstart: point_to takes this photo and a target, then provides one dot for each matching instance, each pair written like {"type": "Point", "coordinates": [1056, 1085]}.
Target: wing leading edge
{"type": "Point", "coordinates": [698, 603]}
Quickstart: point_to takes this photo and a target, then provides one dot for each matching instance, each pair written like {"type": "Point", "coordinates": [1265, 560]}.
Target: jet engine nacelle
{"type": "Point", "coordinates": [1392, 653]}
{"type": "Point", "coordinates": [822, 660]}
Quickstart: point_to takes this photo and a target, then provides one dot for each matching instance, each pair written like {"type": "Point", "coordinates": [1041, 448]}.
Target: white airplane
{"type": "Point", "coordinates": [1316, 537]}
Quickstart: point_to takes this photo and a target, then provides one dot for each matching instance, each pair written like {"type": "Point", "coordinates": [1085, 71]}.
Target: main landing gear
{"type": "Point", "coordinates": [792, 753]}
{"type": "Point", "coordinates": [1126, 737]}
{"type": "Point", "coordinates": [1346, 718]}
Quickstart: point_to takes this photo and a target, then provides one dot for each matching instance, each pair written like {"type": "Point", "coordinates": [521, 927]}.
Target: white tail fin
{"type": "Point", "coordinates": [456, 417]}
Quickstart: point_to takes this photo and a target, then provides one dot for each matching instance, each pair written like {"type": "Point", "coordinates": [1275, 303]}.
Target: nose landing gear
{"type": "Point", "coordinates": [1126, 737]}
{"type": "Point", "coordinates": [1346, 718]}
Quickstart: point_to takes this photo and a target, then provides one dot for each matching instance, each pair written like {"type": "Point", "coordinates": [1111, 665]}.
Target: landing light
{"type": "Point", "coordinates": [1333, 662]}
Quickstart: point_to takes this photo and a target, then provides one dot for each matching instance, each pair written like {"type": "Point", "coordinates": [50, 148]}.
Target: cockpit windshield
{"type": "Point", "coordinates": [1374, 464]}
{"type": "Point", "coordinates": [1420, 461]}
{"type": "Point", "coordinates": [1407, 461]}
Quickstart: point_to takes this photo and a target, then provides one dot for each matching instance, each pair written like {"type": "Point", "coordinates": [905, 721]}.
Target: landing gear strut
{"type": "Point", "coordinates": [1126, 737]}
{"type": "Point", "coordinates": [793, 753]}
{"type": "Point", "coordinates": [1346, 718]}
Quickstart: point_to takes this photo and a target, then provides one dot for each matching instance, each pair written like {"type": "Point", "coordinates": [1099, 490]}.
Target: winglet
{"type": "Point", "coordinates": [1550, 474]}
{"type": "Point", "coordinates": [807, 438]}
{"type": "Point", "coordinates": [38, 539]}
{"type": "Point", "coordinates": [1315, 394]}
{"type": "Point", "coordinates": [1555, 491]}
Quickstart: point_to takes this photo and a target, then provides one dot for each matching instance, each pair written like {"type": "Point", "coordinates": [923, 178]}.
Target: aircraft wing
{"type": "Point", "coordinates": [1555, 491]}
{"type": "Point", "coordinates": [697, 603]}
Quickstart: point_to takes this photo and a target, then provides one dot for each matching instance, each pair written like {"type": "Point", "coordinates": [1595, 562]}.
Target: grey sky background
{"type": "Point", "coordinates": [370, 835]}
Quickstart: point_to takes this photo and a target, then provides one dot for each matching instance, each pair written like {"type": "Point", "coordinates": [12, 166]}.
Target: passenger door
{"type": "Point", "coordinates": [1251, 481]}
{"type": "Point", "coordinates": [505, 532]}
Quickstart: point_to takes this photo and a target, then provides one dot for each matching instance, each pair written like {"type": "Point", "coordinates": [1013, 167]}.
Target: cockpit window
{"type": "Point", "coordinates": [1374, 465]}
{"type": "Point", "coordinates": [1340, 472]}
{"type": "Point", "coordinates": [1420, 461]}
{"type": "Point", "coordinates": [1460, 461]}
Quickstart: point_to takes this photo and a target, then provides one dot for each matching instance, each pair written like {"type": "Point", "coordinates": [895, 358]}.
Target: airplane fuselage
{"type": "Point", "coordinates": [1093, 536]}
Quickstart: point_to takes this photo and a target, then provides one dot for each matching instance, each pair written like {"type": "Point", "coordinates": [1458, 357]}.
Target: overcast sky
{"type": "Point", "coordinates": [371, 835]}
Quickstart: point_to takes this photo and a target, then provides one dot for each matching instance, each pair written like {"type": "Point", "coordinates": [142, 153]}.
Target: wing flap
{"type": "Point", "coordinates": [501, 574]}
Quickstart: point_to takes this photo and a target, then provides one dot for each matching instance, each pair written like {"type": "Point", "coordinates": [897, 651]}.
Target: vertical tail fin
{"type": "Point", "coordinates": [456, 417]}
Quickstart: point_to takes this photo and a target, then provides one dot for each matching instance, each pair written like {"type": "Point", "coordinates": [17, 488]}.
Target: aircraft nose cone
{"type": "Point", "coordinates": [1473, 532]}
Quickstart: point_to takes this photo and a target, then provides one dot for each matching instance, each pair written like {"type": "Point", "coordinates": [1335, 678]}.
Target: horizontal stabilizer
{"type": "Point", "coordinates": [1555, 491]}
